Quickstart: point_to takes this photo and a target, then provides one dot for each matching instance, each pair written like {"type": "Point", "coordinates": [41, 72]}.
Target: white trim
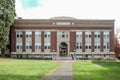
{"type": "Point", "coordinates": [37, 30]}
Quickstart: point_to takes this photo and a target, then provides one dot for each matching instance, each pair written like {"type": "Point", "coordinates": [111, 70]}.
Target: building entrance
{"type": "Point", "coordinates": [63, 49]}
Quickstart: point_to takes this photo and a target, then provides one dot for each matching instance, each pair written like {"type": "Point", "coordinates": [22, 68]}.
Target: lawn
{"type": "Point", "coordinates": [100, 70]}
{"type": "Point", "coordinates": [20, 69]}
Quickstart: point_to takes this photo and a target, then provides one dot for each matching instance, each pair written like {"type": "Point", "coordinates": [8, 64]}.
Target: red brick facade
{"type": "Point", "coordinates": [54, 26]}
{"type": "Point", "coordinates": [33, 41]}
{"type": "Point", "coordinates": [54, 41]}
{"type": "Point", "coordinates": [24, 42]}
{"type": "Point", "coordinates": [83, 42]}
{"type": "Point", "coordinates": [42, 40]}
{"type": "Point", "coordinates": [92, 41]}
{"type": "Point", "coordinates": [72, 41]}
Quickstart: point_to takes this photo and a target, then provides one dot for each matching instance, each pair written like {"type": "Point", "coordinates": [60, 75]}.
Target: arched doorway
{"type": "Point", "coordinates": [63, 49]}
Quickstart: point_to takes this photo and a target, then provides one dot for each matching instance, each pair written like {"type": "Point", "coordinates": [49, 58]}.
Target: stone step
{"type": "Point", "coordinates": [63, 58]}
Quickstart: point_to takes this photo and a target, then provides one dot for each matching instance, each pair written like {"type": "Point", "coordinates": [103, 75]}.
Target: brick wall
{"type": "Point", "coordinates": [53, 41]}
{"type": "Point", "coordinates": [13, 40]}
{"type": "Point", "coordinates": [42, 41]}
{"type": "Point", "coordinates": [83, 42]}
{"type": "Point", "coordinates": [92, 42]}
{"type": "Point", "coordinates": [101, 39]}
{"type": "Point", "coordinates": [33, 41]}
{"type": "Point", "coordinates": [72, 41]}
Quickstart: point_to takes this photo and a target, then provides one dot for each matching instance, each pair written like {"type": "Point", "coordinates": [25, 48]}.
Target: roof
{"type": "Point", "coordinates": [64, 21]}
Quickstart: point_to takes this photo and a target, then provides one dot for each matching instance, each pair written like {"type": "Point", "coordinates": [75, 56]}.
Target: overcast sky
{"type": "Point", "coordinates": [81, 9]}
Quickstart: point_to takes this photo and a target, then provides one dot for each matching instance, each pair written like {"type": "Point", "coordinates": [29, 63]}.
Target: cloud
{"type": "Point", "coordinates": [82, 9]}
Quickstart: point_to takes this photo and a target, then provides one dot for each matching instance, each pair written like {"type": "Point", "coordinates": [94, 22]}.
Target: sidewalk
{"type": "Point", "coordinates": [64, 72]}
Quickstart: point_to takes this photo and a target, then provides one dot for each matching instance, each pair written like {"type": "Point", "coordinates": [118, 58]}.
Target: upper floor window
{"type": "Point", "coordinates": [37, 45]}
{"type": "Point", "coordinates": [47, 34]}
{"type": "Point", "coordinates": [28, 45]}
{"type": "Point", "coordinates": [28, 34]}
{"type": "Point", "coordinates": [106, 34]}
{"type": "Point", "coordinates": [88, 34]}
{"type": "Point", "coordinates": [97, 34]}
{"type": "Point", "coordinates": [78, 34]}
{"type": "Point", "coordinates": [37, 34]}
{"type": "Point", "coordinates": [19, 45]}
{"type": "Point", "coordinates": [19, 34]}
{"type": "Point", "coordinates": [63, 34]}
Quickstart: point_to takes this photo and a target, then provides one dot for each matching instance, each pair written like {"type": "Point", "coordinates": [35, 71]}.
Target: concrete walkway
{"type": "Point", "coordinates": [64, 72]}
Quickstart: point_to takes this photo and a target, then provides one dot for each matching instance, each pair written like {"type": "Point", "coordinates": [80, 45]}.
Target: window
{"type": "Point", "coordinates": [88, 34]}
{"type": "Point", "coordinates": [106, 45]}
{"type": "Point", "coordinates": [79, 45]}
{"type": "Point", "coordinates": [19, 45]}
{"type": "Point", "coordinates": [28, 34]}
{"type": "Point", "coordinates": [47, 34]}
{"type": "Point", "coordinates": [19, 34]}
{"type": "Point", "coordinates": [78, 34]}
{"type": "Point", "coordinates": [106, 34]}
{"type": "Point", "coordinates": [97, 34]}
{"type": "Point", "coordinates": [38, 34]}
{"type": "Point", "coordinates": [88, 45]}
{"type": "Point", "coordinates": [28, 45]}
{"type": "Point", "coordinates": [63, 34]}
{"type": "Point", "coordinates": [37, 45]}
{"type": "Point", "coordinates": [47, 45]}
{"type": "Point", "coordinates": [97, 45]}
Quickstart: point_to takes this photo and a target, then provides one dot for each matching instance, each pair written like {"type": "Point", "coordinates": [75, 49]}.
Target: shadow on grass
{"type": "Point", "coordinates": [108, 64]}
{"type": "Point", "coordinates": [98, 70]}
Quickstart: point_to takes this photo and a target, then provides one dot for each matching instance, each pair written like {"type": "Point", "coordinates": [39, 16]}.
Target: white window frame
{"type": "Point", "coordinates": [63, 34]}
{"type": "Point", "coordinates": [78, 34]}
{"type": "Point", "coordinates": [47, 34]}
{"type": "Point", "coordinates": [38, 45]}
{"type": "Point", "coordinates": [97, 34]}
{"type": "Point", "coordinates": [106, 34]}
{"type": "Point", "coordinates": [19, 34]}
{"type": "Point", "coordinates": [88, 45]}
{"type": "Point", "coordinates": [18, 45]}
{"type": "Point", "coordinates": [78, 45]}
{"type": "Point", "coordinates": [106, 45]}
{"type": "Point", "coordinates": [47, 45]}
{"type": "Point", "coordinates": [97, 45]}
{"type": "Point", "coordinates": [28, 45]}
{"type": "Point", "coordinates": [38, 34]}
{"type": "Point", "coordinates": [88, 34]}
{"type": "Point", "coordinates": [28, 34]}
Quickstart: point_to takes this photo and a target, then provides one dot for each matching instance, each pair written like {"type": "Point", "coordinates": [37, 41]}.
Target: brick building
{"type": "Point", "coordinates": [117, 45]}
{"type": "Point", "coordinates": [62, 36]}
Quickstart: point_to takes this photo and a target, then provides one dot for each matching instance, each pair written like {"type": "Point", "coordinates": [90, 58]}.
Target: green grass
{"type": "Point", "coordinates": [21, 69]}
{"type": "Point", "coordinates": [96, 70]}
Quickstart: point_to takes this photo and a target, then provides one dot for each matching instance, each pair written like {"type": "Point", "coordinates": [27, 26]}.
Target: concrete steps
{"type": "Point", "coordinates": [62, 58]}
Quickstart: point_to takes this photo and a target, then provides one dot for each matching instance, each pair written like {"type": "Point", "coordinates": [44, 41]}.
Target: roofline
{"type": "Point", "coordinates": [65, 19]}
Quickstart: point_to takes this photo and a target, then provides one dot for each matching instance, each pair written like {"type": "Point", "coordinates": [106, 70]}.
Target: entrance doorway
{"type": "Point", "coordinates": [63, 49]}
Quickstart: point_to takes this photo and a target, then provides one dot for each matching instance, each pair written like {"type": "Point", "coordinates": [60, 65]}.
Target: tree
{"type": "Point", "coordinates": [7, 16]}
